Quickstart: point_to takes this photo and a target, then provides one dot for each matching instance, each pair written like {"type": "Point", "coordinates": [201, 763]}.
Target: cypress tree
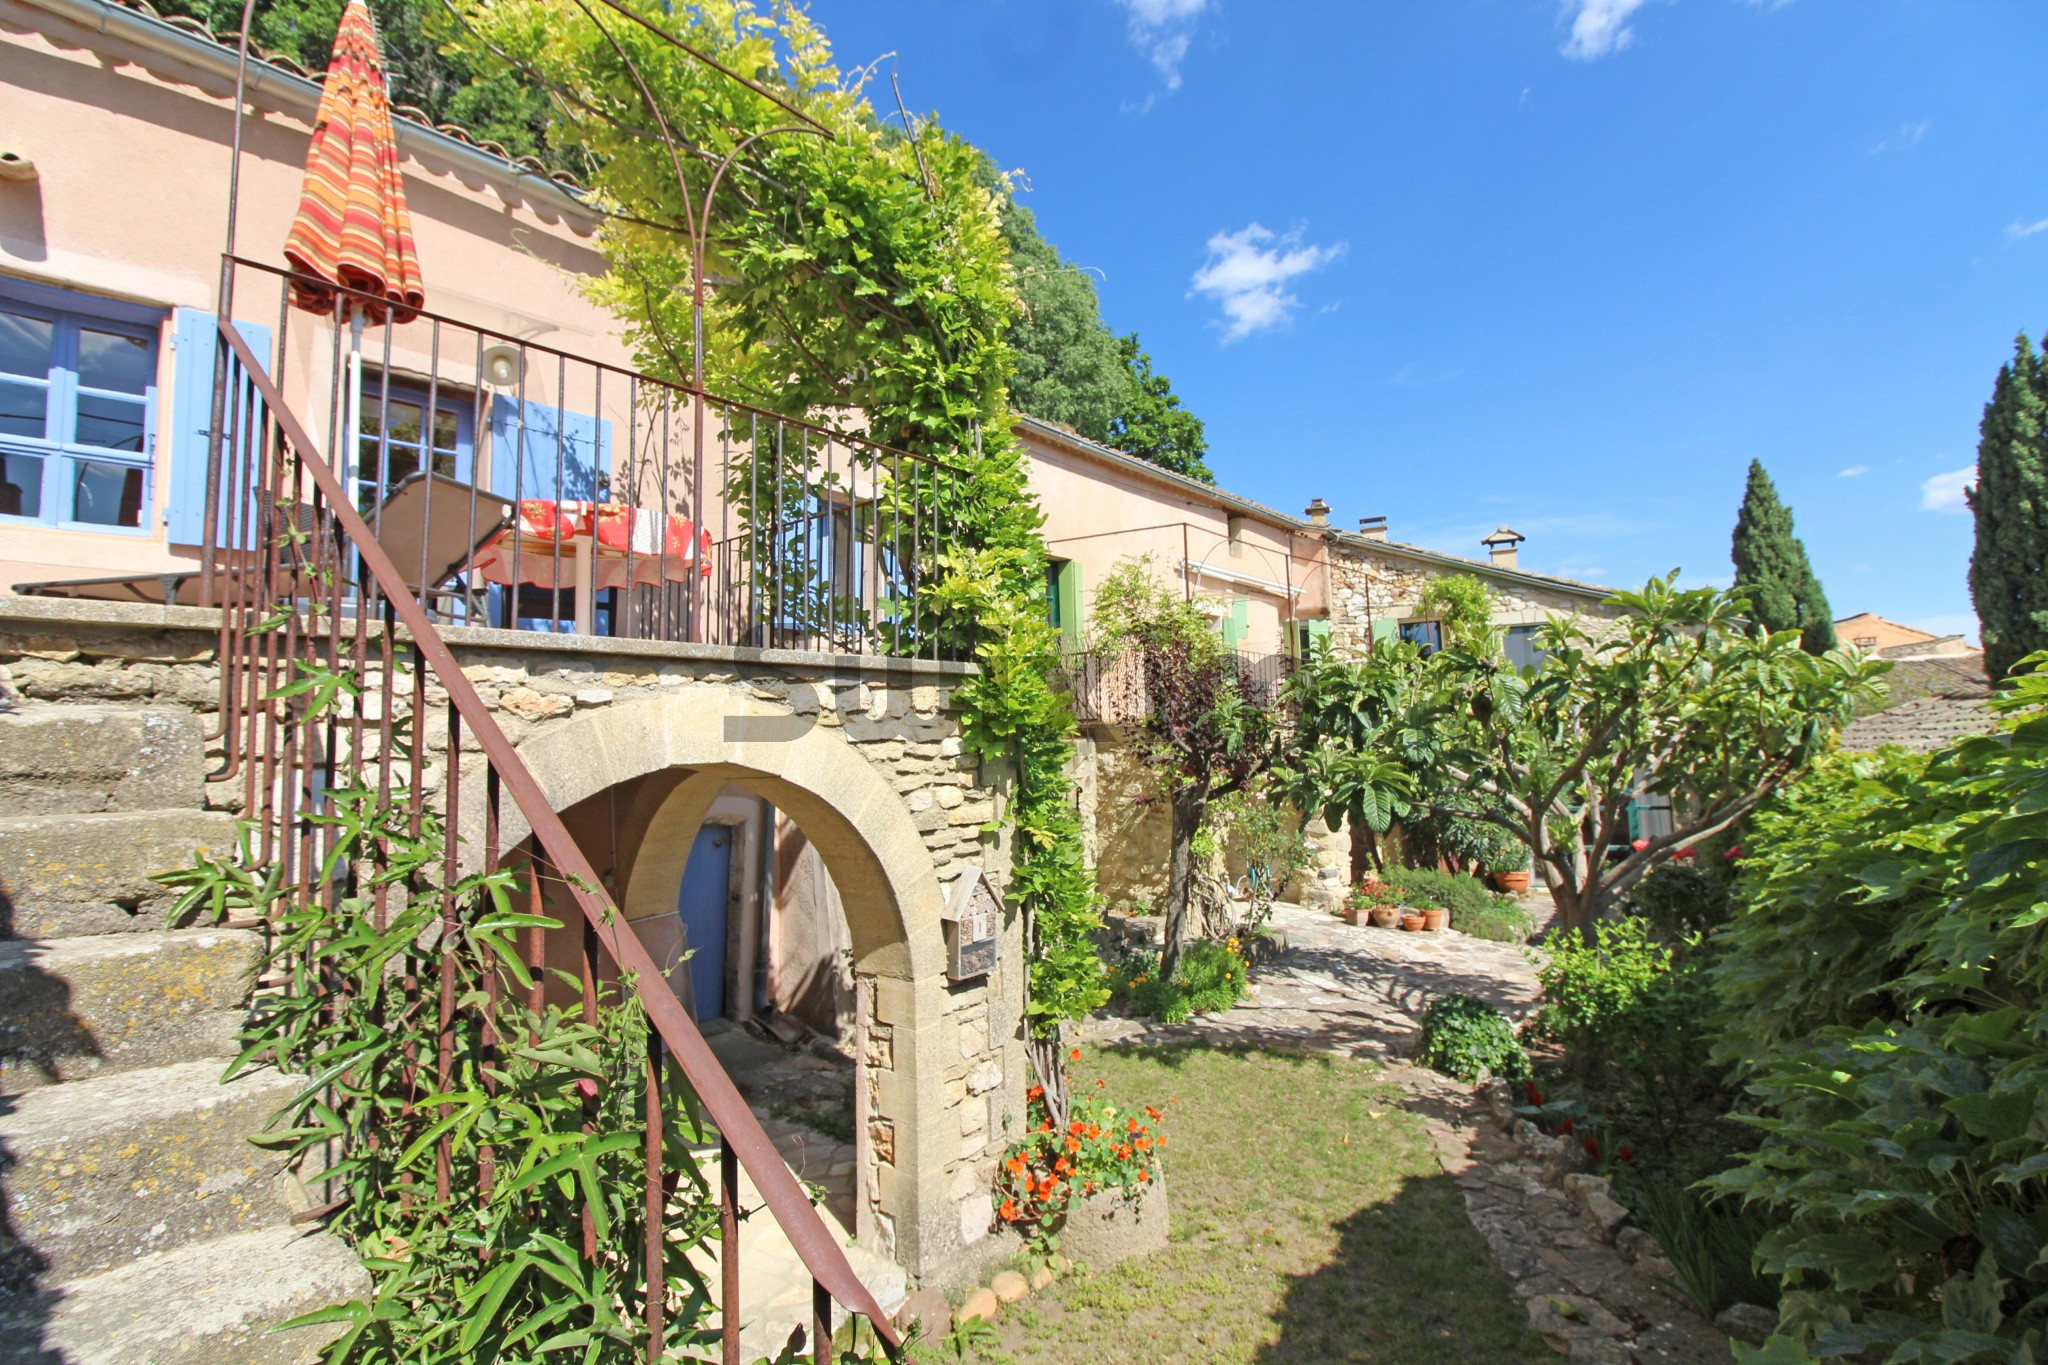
{"type": "Point", "coordinates": [1771, 568]}
{"type": "Point", "coordinates": [2009, 566]}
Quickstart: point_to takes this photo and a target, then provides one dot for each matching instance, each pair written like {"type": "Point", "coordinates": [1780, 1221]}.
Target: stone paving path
{"type": "Point", "coordinates": [1361, 992]}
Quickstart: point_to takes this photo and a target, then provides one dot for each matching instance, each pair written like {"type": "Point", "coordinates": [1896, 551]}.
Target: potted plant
{"type": "Point", "coordinates": [1384, 916]}
{"type": "Point", "coordinates": [1411, 920]}
{"type": "Point", "coordinates": [1513, 882]}
{"type": "Point", "coordinates": [1433, 918]}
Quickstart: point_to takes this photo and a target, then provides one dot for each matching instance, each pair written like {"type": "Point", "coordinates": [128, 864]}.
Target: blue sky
{"type": "Point", "coordinates": [1565, 264]}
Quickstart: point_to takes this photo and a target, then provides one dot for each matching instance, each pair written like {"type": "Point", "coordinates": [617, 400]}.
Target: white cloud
{"type": "Point", "coordinates": [2015, 231]}
{"type": "Point", "coordinates": [1245, 272]}
{"type": "Point", "coordinates": [1163, 31]}
{"type": "Point", "coordinates": [1909, 135]}
{"type": "Point", "coordinates": [1599, 27]}
{"type": "Point", "coordinates": [1854, 471]}
{"type": "Point", "coordinates": [1944, 492]}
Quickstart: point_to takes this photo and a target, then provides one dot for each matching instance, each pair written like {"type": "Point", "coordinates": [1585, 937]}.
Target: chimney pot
{"type": "Point", "coordinates": [1501, 545]}
{"type": "Point", "coordinates": [1318, 512]}
{"type": "Point", "coordinates": [1373, 528]}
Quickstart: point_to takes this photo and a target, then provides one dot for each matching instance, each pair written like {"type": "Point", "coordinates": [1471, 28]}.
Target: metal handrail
{"type": "Point", "coordinates": [740, 1133]}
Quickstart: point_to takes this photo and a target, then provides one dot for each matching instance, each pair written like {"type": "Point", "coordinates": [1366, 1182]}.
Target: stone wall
{"type": "Point", "coordinates": [873, 744]}
{"type": "Point", "coordinates": [1366, 587]}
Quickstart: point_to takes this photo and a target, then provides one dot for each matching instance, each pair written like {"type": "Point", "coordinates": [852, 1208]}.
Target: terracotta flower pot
{"type": "Point", "coordinates": [1514, 883]}
{"type": "Point", "coordinates": [1384, 916]}
{"type": "Point", "coordinates": [1354, 914]}
{"type": "Point", "coordinates": [1411, 920]}
{"type": "Point", "coordinates": [1434, 919]}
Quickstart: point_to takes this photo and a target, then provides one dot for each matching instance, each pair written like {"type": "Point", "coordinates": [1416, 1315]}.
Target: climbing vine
{"type": "Point", "coordinates": [861, 278]}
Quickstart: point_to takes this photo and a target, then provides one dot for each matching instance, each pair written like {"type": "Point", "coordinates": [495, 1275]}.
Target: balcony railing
{"type": "Point", "coordinates": [312, 566]}
{"type": "Point", "coordinates": [1112, 689]}
{"type": "Point", "coordinates": [523, 487]}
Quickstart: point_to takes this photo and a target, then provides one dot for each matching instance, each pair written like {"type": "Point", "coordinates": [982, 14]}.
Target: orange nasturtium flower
{"type": "Point", "coordinates": [1015, 1165]}
{"type": "Point", "coordinates": [1061, 1166]}
{"type": "Point", "coordinates": [1136, 1126]}
{"type": "Point", "coordinates": [1156, 1115]}
{"type": "Point", "coordinates": [1144, 1174]}
{"type": "Point", "coordinates": [1073, 1146]}
{"type": "Point", "coordinates": [1075, 1055]}
{"type": "Point", "coordinates": [1008, 1211]}
{"type": "Point", "coordinates": [1035, 1092]}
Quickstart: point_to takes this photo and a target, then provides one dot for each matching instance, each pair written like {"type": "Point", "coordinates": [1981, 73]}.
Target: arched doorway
{"type": "Point", "coordinates": [940, 1064]}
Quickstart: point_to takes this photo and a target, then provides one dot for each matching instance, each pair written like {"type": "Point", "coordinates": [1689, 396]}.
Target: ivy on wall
{"type": "Point", "coordinates": [861, 277]}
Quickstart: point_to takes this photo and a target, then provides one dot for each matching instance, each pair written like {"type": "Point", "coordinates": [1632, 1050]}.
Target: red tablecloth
{"type": "Point", "coordinates": [625, 544]}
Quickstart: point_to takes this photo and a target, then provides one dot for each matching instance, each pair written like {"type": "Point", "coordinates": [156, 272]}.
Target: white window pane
{"type": "Point", "coordinates": [25, 345]}
{"type": "Point", "coordinates": [21, 484]}
{"type": "Point", "coordinates": [113, 360]}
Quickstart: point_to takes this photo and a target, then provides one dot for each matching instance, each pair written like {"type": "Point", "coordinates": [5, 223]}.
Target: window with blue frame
{"type": "Point", "coordinates": [396, 439]}
{"type": "Point", "coordinates": [77, 411]}
{"type": "Point", "coordinates": [1428, 634]}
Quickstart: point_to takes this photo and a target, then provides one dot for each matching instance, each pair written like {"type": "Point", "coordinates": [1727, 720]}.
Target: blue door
{"type": "Point", "coordinates": [706, 878]}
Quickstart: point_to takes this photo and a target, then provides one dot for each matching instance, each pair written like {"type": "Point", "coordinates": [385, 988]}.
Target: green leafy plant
{"type": "Point", "coordinates": [1463, 604]}
{"type": "Point", "coordinates": [1465, 1037]}
{"type": "Point", "coordinates": [1453, 891]}
{"type": "Point", "coordinates": [1100, 1147]}
{"type": "Point", "coordinates": [1211, 978]}
{"type": "Point", "coordinates": [1712, 1244]}
{"type": "Point", "coordinates": [1501, 921]}
{"type": "Point", "coordinates": [1883, 985]}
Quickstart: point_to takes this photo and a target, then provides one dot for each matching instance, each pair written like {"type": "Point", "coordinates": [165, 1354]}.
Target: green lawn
{"type": "Point", "coordinates": [1310, 1224]}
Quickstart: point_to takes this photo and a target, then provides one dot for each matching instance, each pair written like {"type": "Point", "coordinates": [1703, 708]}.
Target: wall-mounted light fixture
{"type": "Point", "coordinates": [15, 166]}
{"type": "Point", "coordinates": [503, 366]}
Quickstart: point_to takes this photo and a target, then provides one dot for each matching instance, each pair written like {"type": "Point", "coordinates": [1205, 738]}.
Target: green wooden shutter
{"type": "Point", "coordinates": [1318, 636]}
{"type": "Point", "coordinates": [1238, 623]}
{"type": "Point", "coordinates": [1385, 632]}
{"type": "Point", "coordinates": [1067, 593]}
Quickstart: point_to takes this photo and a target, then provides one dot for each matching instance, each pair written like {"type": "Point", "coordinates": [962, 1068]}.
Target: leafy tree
{"type": "Point", "coordinates": [1349, 755]}
{"type": "Point", "coordinates": [484, 96]}
{"type": "Point", "coordinates": [1203, 731]}
{"type": "Point", "coordinates": [2009, 567]}
{"type": "Point", "coordinates": [1772, 571]}
{"type": "Point", "coordinates": [1155, 426]}
{"type": "Point", "coordinates": [1677, 697]}
{"type": "Point", "coordinates": [1068, 367]}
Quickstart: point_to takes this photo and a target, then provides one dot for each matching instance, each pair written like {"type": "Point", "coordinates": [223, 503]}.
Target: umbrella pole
{"type": "Point", "coordinates": [351, 440]}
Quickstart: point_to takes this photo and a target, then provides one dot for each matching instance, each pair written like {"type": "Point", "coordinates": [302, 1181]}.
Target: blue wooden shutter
{"type": "Point", "coordinates": [528, 468]}
{"type": "Point", "coordinates": [193, 335]}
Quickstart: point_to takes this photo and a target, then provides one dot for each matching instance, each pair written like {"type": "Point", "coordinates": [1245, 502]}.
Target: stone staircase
{"type": "Point", "coordinates": [138, 1225]}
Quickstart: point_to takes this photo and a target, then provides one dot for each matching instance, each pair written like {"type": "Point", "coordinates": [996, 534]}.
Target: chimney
{"type": "Point", "coordinates": [1501, 545]}
{"type": "Point", "coordinates": [1318, 512]}
{"type": "Point", "coordinates": [1373, 528]}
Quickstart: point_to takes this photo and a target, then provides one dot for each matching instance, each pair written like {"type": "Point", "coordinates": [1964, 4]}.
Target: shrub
{"type": "Point", "coordinates": [1632, 1016]}
{"type": "Point", "coordinates": [1884, 984]}
{"type": "Point", "coordinates": [1465, 1037]}
{"type": "Point", "coordinates": [1453, 891]}
{"type": "Point", "coordinates": [1684, 898]}
{"type": "Point", "coordinates": [1212, 978]}
{"type": "Point", "coordinates": [1503, 922]}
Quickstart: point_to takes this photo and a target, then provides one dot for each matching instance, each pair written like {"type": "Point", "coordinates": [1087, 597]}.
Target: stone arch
{"type": "Point", "coordinates": [937, 1060]}
{"type": "Point", "coordinates": [847, 809]}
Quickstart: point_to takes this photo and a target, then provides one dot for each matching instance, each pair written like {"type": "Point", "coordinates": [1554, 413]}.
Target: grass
{"type": "Point", "coordinates": [1310, 1224]}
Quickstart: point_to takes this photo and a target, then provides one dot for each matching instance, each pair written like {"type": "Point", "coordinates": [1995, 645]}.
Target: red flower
{"type": "Point", "coordinates": [1565, 1127]}
{"type": "Point", "coordinates": [1075, 1055]}
{"type": "Point", "coordinates": [1529, 1090]}
{"type": "Point", "coordinates": [1625, 1154]}
{"type": "Point", "coordinates": [1640, 844]}
{"type": "Point", "coordinates": [1592, 1148]}
{"type": "Point", "coordinates": [1685, 854]}
{"type": "Point", "coordinates": [1734, 852]}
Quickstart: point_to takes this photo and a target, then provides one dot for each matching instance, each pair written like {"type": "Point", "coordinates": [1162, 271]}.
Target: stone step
{"type": "Point", "coordinates": [77, 1007]}
{"type": "Point", "coordinates": [207, 1303]}
{"type": "Point", "coordinates": [85, 759]}
{"type": "Point", "coordinates": [105, 858]}
{"type": "Point", "coordinates": [121, 1166]}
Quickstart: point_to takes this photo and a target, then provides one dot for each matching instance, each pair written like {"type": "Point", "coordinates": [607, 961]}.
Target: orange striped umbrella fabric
{"type": "Point", "coordinates": [353, 228]}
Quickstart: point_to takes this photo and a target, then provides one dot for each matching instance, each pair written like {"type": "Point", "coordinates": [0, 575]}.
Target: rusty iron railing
{"type": "Point", "coordinates": [306, 582]}
{"type": "Point", "coordinates": [723, 523]}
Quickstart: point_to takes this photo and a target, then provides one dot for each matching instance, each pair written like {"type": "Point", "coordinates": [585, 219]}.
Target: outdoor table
{"type": "Point", "coordinates": [592, 547]}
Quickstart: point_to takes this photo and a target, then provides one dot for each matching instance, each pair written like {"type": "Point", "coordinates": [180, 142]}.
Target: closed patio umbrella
{"type": "Point", "coordinates": [352, 228]}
